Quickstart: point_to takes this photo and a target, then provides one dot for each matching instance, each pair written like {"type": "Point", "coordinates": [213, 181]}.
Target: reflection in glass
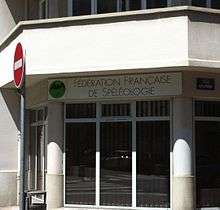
{"type": "Point", "coordinates": [106, 6]}
{"type": "Point", "coordinates": [80, 163]}
{"type": "Point", "coordinates": [208, 163]}
{"type": "Point", "coordinates": [153, 168]}
{"type": "Point", "coordinates": [116, 164]}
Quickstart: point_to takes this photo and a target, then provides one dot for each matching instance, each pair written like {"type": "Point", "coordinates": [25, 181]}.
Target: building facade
{"type": "Point", "coordinates": [122, 103]}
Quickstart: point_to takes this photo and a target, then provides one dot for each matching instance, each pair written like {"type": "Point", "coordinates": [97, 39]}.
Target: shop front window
{"type": "Point", "coordinates": [117, 154]}
{"type": "Point", "coordinates": [207, 130]}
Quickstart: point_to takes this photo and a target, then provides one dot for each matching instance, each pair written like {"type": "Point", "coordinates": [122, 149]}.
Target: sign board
{"type": "Point", "coordinates": [117, 87]}
{"type": "Point", "coordinates": [18, 67]}
{"type": "Point", "coordinates": [205, 84]}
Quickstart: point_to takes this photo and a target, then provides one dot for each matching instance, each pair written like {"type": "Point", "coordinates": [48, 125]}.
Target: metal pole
{"type": "Point", "coordinates": [22, 144]}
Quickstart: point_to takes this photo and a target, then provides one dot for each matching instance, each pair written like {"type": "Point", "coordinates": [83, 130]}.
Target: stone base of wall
{"type": "Point", "coordinates": [8, 189]}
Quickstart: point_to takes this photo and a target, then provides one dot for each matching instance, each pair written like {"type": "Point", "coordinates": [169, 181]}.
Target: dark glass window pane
{"type": "Point", "coordinates": [199, 3]}
{"type": "Point", "coordinates": [33, 116]}
{"type": "Point", "coordinates": [45, 113]}
{"type": "Point", "coordinates": [40, 158]}
{"type": "Point", "coordinates": [106, 6]}
{"type": "Point", "coordinates": [207, 108]}
{"type": "Point", "coordinates": [40, 115]}
{"type": "Point", "coordinates": [156, 3]}
{"type": "Point", "coordinates": [116, 184]}
{"type": "Point", "coordinates": [80, 163]}
{"type": "Point", "coordinates": [134, 4]}
{"type": "Point", "coordinates": [109, 110]}
{"type": "Point", "coordinates": [208, 163]}
{"type": "Point", "coordinates": [152, 108]}
{"type": "Point", "coordinates": [81, 110]}
{"type": "Point", "coordinates": [81, 7]}
{"type": "Point", "coordinates": [215, 4]}
{"type": "Point", "coordinates": [153, 165]}
{"type": "Point", "coordinates": [32, 159]}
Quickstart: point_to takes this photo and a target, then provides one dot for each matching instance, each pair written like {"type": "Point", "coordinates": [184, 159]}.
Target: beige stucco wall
{"type": "Point", "coordinates": [204, 41]}
{"type": "Point", "coordinates": [189, 85]}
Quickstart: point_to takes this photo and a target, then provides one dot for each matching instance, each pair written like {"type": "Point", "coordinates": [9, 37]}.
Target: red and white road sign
{"type": "Point", "coordinates": [18, 67]}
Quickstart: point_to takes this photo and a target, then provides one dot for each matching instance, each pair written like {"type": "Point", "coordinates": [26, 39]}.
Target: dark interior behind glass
{"type": "Point", "coordinates": [81, 7]}
{"type": "Point", "coordinates": [215, 4]}
{"type": "Point", "coordinates": [199, 3]}
{"type": "Point", "coordinates": [106, 6]}
{"type": "Point", "coordinates": [153, 165]}
{"type": "Point", "coordinates": [208, 163]}
{"type": "Point", "coordinates": [156, 3]}
{"type": "Point", "coordinates": [134, 4]}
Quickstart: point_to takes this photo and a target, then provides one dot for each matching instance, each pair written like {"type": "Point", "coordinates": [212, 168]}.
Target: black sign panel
{"type": "Point", "coordinates": [205, 84]}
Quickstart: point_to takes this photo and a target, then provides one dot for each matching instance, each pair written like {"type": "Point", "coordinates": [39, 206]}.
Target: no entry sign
{"type": "Point", "coordinates": [18, 67]}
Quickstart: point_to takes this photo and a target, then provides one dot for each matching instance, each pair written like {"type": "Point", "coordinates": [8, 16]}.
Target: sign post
{"type": "Point", "coordinates": [19, 82]}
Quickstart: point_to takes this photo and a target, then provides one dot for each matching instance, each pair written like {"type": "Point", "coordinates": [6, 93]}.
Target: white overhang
{"type": "Point", "coordinates": [165, 39]}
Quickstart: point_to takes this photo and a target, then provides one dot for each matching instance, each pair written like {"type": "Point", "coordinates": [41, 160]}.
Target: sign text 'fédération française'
{"type": "Point", "coordinates": [123, 86]}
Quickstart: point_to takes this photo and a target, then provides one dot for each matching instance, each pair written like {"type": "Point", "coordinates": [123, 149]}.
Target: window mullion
{"type": "Point", "coordinates": [208, 3]}
{"type": "Point", "coordinates": [143, 4]}
{"type": "Point", "coordinates": [93, 6]}
{"type": "Point", "coordinates": [70, 7]}
{"type": "Point", "coordinates": [119, 4]}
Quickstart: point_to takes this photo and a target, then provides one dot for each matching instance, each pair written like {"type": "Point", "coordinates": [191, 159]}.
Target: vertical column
{"type": "Point", "coordinates": [55, 148]}
{"type": "Point", "coordinates": [183, 155]}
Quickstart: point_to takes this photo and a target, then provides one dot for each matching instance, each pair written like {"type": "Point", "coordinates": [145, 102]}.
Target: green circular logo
{"type": "Point", "coordinates": [57, 89]}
